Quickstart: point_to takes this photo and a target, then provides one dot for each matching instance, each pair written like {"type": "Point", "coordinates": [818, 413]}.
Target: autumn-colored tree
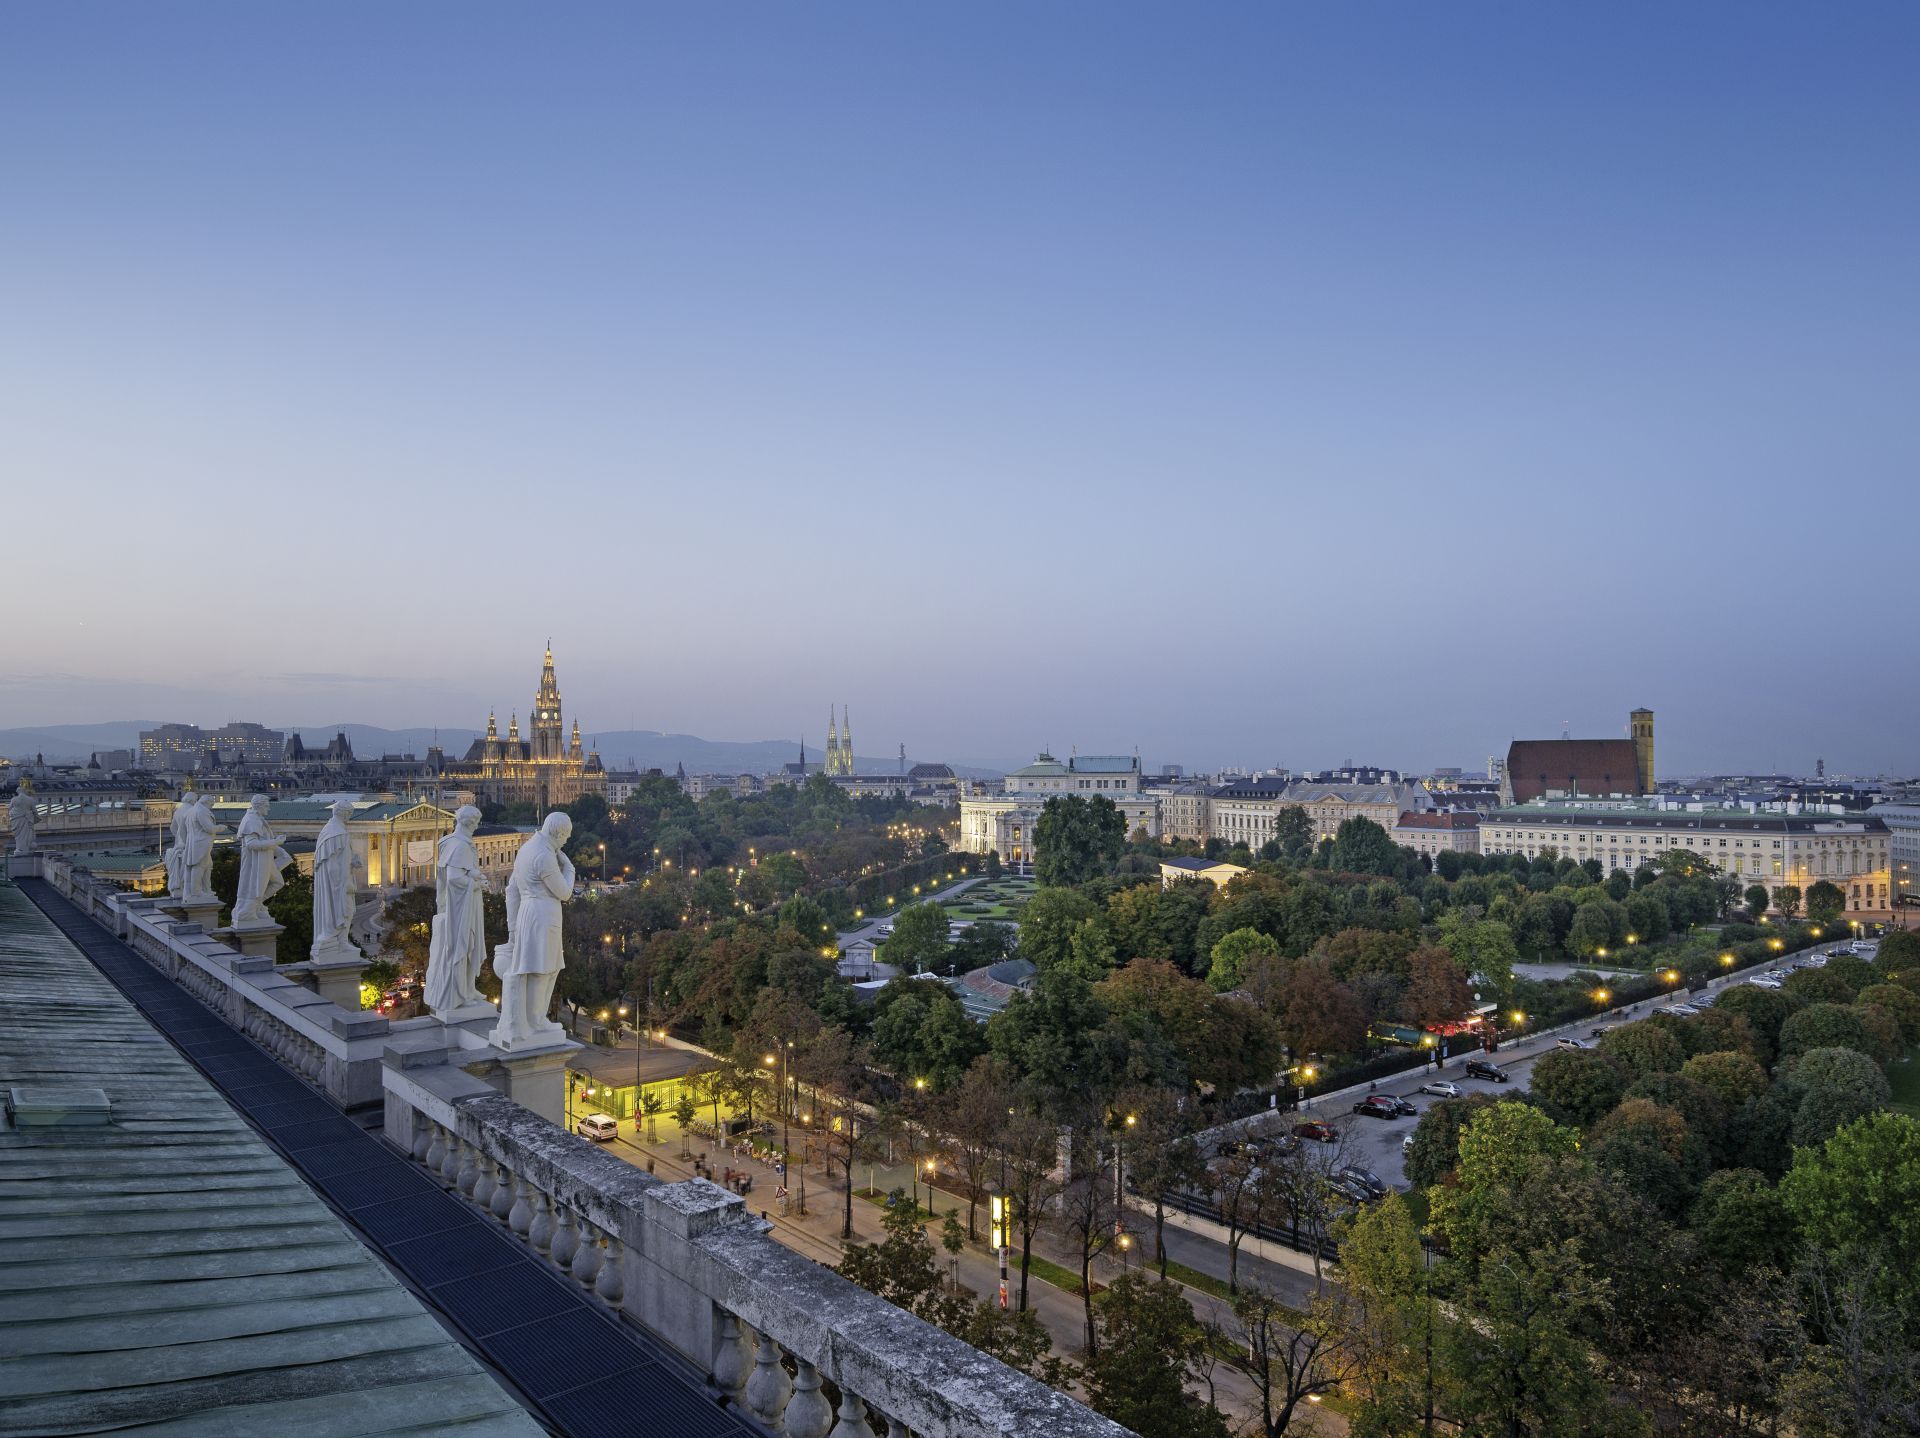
{"type": "Point", "coordinates": [1437, 989]}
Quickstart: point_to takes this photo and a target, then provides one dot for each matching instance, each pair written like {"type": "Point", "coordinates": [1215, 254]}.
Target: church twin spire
{"type": "Point", "coordinates": [839, 744]}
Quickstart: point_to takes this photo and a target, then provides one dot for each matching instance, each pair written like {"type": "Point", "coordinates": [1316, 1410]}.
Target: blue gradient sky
{"type": "Point", "coordinates": [1248, 384]}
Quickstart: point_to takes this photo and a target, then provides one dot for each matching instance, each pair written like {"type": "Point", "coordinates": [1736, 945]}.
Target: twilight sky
{"type": "Point", "coordinates": [1248, 384]}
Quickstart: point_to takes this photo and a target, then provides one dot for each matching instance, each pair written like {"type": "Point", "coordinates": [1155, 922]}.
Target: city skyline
{"type": "Point", "coordinates": [1388, 388]}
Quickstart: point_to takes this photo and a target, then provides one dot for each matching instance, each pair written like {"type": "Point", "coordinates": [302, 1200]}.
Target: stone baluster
{"type": "Point", "coordinates": [520, 1216]}
{"type": "Point", "coordinates": [423, 1137]}
{"type": "Point", "coordinates": [469, 1174]}
{"type": "Point", "coordinates": [501, 1203]}
{"type": "Point", "coordinates": [808, 1414]}
{"type": "Point", "coordinates": [436, 1153]}
{"type": "Point", "coordinates": [611, 1282]}
{"type": "Point", "coordinates": [586, 1259]}
{"type": "Point", "coordinates": [768, 1388]}
{"type": "Point", "coordinates": [897, 1429]}
{"type": "Point", "coordinates": [853, 1418]}
{"type": "Point", "coordinates": [566, 1240]}
{"type": "Point", "coordinates": [450, 1161]}
{"type": "Point", "coordinates": [540, 1231]}
{"type": "Point", "coordinates": [731, 1365]}
{"type": "Point", "coordinates": [483, 1183]}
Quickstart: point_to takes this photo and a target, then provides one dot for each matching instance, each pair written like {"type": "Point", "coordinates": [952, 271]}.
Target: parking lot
{"type": "Point", "coordinates": [1375, 1143]}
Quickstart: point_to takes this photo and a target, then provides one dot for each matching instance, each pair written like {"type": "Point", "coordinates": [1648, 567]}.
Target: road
{"type": "Point", "coordinates": [1376, 1143]}
{"type": "Point", "coordinates": [870, 928]}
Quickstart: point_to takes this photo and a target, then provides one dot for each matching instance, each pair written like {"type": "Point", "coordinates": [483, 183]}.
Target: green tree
{"type": "Point", "coordinates": [1826, 901]}
{"type": "Point", "coordinates": [1857, 1196]}
{"type": "Point", "coordinates": [1480, 946]}
{"type": "Point", "coordinates": [1293, 835]}
{"type": "Point", "coordinates": [1644, 1048]}
{"type": "Point", "coordinates": [1360, 846]}
{"type": "Point", "coordinates": [1579, 1086]}
{"type": "Point", "coordinates": [919, 940]}
{"type": "Point", "coordinates": [1823, 1026]}
{"type": "Point", "coordinates": [1048, 922]}
{"type": "Point", "coordinates": [1818, 986]}
{"type": "Point", "coordinates": [1077, 839]}
{"type": "Point", "coordinates": [1230, 956]}
{"type": "Point", "coordinates": [1758, 901]}
{"type": "Point", "coordinates": [1138, 1375]}
{"type": "Point", "coordinates": [1786, 899]}
{"type": "Point", "coordinates": [1517, 1362]}
{"type": "Point", "coordinates": [1742, 1223]}
{"type": "Point", "coordinates": [1765, 1010]}
{"type": "Point", "coordinates": [1436, 1138]}
{"type": "Point", "coordinates": [1597, 925]}
{"type": "Point", "coordinates": [1901, 1006]}
{"type": "Point", "coordinates": [1499, 1146]}
{"type": "Point", "coordinates": [1734, 1078]}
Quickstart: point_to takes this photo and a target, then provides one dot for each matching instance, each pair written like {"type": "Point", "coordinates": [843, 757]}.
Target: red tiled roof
{"type": "Point", "coordinates": [1590, 766]}
{"type": "Point", "coordinates": [1416, 819]}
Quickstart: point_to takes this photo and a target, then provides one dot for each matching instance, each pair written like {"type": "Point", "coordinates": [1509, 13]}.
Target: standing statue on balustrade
{"type": "Point", "coordinates": [542, 881]}
{"type": "Point", "coordinates": [176, 871]}
{"type": "Point", "coordinates": [261, 860]}
{"type": "Point", "coordinates": [459, 944]}
{"type": "Point", "coordinates": [20, 816]}
{"type": "Point", "coordinates": [197, 828]}
{"type": "Point", "coordinates": [334, 866]}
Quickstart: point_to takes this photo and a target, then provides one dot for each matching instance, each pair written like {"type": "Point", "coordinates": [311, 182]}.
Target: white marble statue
{"type": "Point", "coordinates": [261, 860]}
{"type": "Point", "coordinates": [459, 944]}
{"type": "Point", "coordinates": [334, 864]}
{"type": "Point", "coordinates": [197, 831]}
{"type": "Point", "coordinates": [20, 817]}
{"type": "Point", "coordinates": [176, 871]}
{"type": "Point", "coordinates": [542, 881]}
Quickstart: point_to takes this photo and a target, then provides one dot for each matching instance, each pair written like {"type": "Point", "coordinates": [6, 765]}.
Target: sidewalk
{"type": "Point", "coordinates": [816, 1234]}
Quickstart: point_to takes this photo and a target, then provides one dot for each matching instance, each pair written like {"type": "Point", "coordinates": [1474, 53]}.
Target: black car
{"type": "Point", "coordinates": [1481, 1069]}
{"type": "Point", "coordinates": [1405, 1106]}
{"type": "Point", "coordinates": [1362, 1179]}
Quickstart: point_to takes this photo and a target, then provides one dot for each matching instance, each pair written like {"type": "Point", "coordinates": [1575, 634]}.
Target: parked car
{"type": "Point", "coordinates": [1685, 1011]}
{"type": "Point", "coordinates": [1573, 1043]}
{"type": "Point", "coordinates": [1315, 1130]}
{"type": "Point", "coordinates": [600, 1127]}
{"type": "Point", "coordinates": [1363, 1178]}
{"type": "Point", "coordinates": [1441, 1088]}
{"type": "Point", "coordinates": [1765, 982]}
{"type": "Point", "coordinates": [1486, 1069]}
{"type": "Point", "coordinates": [1601, 1029]}
{"type": "Point", "coordinates": [1353, 1192]}
{"type": "Point", "coordinates": [1406, 1144]}
{"type": "Point", "coordinates": [1377, 1105]}
{"type": "Point", "coordinates": [1405, 1107]}
{"type": "Point", "coordinates": [1703, 1000]}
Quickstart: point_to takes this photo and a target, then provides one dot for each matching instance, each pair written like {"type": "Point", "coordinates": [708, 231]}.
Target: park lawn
{"type": "Point", "coordinates": [1054, 1273]}
{"type": "Point", "coordinates": [1904, 1076]}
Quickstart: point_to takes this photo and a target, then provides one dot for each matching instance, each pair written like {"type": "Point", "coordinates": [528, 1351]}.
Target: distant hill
{"type": "Point", "coordinates": [635, 748]}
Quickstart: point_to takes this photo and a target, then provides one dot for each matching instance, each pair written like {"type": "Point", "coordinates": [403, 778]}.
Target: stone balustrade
{"type": "Point", "coordinates": [800, 1349]}
{"type": "Point", "coordinates": [793, 1346]}
{"type": "Point", "coordinates": [337, 1050]}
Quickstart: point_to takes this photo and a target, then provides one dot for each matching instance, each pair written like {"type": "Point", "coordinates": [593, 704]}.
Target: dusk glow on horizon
{"type": "Point", "coordinates": [1254, 386]}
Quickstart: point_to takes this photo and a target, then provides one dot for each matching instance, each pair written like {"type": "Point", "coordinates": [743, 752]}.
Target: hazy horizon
{"type": "Point", "coordinates": [1250, 386]}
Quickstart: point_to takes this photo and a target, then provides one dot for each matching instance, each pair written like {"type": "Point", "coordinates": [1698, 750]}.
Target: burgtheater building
{"type": "Point", "coordinates": [546, 769]}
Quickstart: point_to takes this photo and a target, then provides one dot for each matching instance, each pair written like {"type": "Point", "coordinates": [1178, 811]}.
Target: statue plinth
{"type": "Point", "coordinates": [534, 1078]}
{"type": "Point", "coordinates": [201, 910]}
{"type": "Point", "coordinates": [257, 941]}
{"type": "Point", "coordinates": [336, 970]}
{"type": "Point", "coordinates": [482, 1013]}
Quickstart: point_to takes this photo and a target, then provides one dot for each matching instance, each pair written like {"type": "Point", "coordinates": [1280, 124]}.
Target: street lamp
{"type": "Point", "coordinates": [929, 1166]}
{"type": "Point", "coordinates": [1601, 996]}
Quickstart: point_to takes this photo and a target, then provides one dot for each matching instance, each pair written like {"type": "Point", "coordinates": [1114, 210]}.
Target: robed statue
{"type": "Point", "coordinates": [334, 864]}
{"type": "Point", "coordinates": [190, 861]}
{"type": "Point", "coordinates": [20, 818]}
{"type": "Point", "coordinates": [176, 870]}
{"type": "Point", "coordinates": [459, 944]}
{"type": "Point", "coordinates": [261, 860]}
{"type": "Point", "coordinates": [542, 881]}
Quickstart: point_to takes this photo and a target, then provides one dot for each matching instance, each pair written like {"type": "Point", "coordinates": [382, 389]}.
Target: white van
{"type": "Point", "coordinates": [600, 1127]}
